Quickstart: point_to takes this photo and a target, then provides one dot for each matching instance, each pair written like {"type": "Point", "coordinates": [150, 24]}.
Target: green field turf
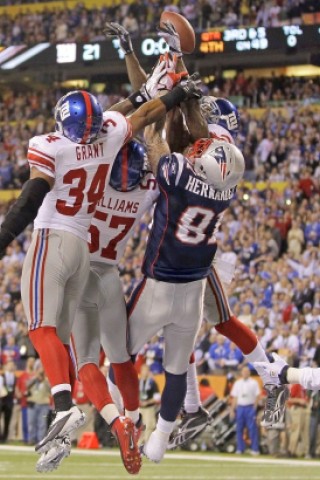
{"type": "Point", "coordinates": [19, 463]}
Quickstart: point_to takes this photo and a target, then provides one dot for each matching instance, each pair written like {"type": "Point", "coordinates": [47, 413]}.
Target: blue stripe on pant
{"type": "Point", "coordinates": [246, 418]}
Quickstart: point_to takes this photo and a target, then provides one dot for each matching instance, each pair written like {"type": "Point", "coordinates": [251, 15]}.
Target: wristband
{"type": "Point", "coordinates": [283, 375]}
{"type": "Point", "coordinates": [173, 98]}
{"type": "Point", "coordinates": [137, 99]}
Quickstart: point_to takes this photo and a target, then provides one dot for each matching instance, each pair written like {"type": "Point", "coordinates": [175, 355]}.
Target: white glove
{"type": "Point", "coordinates": [163, 76]}
{"type": "Point", "coordinates": [274, 369]}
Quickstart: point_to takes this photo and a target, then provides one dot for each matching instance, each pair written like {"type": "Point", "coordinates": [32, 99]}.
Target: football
{"type": "Point", "coordinates": [183, 27]}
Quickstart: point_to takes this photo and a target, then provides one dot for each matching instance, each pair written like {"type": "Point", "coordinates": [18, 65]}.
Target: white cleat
{"type": "Point", "coordinates": [63, 424]}
{"type": "Point", "coordinates": [52, 459]}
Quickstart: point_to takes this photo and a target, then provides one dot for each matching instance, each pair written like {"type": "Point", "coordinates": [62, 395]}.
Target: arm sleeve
{"type": "Point", "coordinates": [308, 377]}
{"type": "Point", "coordinates": [23, 211]}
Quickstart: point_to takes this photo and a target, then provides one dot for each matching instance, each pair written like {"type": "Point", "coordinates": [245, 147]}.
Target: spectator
{"type": "Point", "coordinates": [299, 421]}
{"type": "Point", "coordinates": [38, 401]}
{"type": "Point", "coordinates": [22, 393]}
{"type": "Point", "coordinates": [206, 391]}
{"type": "Point", "coordinates": [149, 400]}
{"type": "Point", "coordinates": [8, 381]}
{"type": "Point", "coordinates": [244, 396]}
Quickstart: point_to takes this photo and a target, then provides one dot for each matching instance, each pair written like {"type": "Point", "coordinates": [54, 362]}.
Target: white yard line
{"type": "Point", "coordinates": [184, 456]}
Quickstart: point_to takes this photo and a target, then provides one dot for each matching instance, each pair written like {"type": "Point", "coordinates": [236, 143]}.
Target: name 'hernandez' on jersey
{"type": "Point", "coordinates": [188, 211]}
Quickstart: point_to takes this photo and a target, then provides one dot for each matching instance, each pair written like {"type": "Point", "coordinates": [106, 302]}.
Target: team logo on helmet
{"type": "Point", "coordinates": [221, 159]}
{"type": "Point", "coordinates": [64, 111]}
{"type": "Point", "coordinates": [231, 121]}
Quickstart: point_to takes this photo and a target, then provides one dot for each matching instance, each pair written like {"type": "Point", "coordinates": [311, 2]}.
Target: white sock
{"type": "Point", "coordinates": [165, 427]}
{"type": "Point", "coordinates": [259, 355]}
{"type": "Point", "coordinates": [134, 415]}
{"type": "Point", "coordinates": [109, 413]}
{"type": "Point", "coordinates": [192, 400]}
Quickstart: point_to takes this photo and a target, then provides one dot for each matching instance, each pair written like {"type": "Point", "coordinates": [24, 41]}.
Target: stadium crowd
{"type": "Point", "coordinates": [82, 24]}
{"type": "Point", "coordinates": [271, 232]}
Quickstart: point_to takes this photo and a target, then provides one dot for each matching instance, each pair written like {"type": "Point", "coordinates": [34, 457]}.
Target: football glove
{"type": "Point", "coordinates": [113, 29]}
{"type": "Point", "coordinates": [163, 76]}
{"type": "Point", "coordinates": [191, 86]}
{"type": "Point", "coordinates": [171, 36]}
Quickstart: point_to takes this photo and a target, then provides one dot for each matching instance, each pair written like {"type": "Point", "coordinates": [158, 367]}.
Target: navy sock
{"type": "Point", "coordinates": [173, 396]}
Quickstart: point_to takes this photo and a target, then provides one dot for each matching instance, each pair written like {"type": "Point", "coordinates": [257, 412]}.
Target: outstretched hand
{"type": "Point", "coordinates": [115, 30]}
{"type": "Point", "coordinates": [171, 36]}
{"type": "Point", "coordinates": [191, 86]}
{"type": "Point", "coordinates": [163, 76]}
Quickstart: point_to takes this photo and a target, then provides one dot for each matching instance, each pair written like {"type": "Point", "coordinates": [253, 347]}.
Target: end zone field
{"type": "Point", "coordinates": [19, 463]}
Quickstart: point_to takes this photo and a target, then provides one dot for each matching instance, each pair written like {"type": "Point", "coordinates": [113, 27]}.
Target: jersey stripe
{"type": "Point", "coordinates": [40, 161]}
{"type": "Point", "coordinates": [41, 309]}
{"type": "Point", "coordinates": [42, 154]}
{"type": "Point", "coordinates": [32, 284]}
{"type": "Point", "coordinates": [87, 131]}
{"type": "Point", "coordinates": [219, 295]}
{"type": "Point", "coordinates": [163, 233]}
{"type": "Point", "coordinates": [37, 280]}
{"type": "Point", "coordinates": [135, 297]}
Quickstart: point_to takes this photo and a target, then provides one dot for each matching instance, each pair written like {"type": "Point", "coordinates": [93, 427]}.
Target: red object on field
{"type": "Point", "coordinates": [183, 27]}
{"type": "Point", "coordinates": [88, 440]}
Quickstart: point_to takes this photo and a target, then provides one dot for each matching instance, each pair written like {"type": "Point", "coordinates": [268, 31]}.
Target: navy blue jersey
{"type": "Point", "coordinates": [188, 211]}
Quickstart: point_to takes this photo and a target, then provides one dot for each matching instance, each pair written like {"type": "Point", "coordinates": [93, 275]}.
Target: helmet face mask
{"type": "Point", "coordinates": [220, 111]}
{"type": "Point", "coordinates": [220, 164]}
{"type": "Point", "coordinates": [78, 116]}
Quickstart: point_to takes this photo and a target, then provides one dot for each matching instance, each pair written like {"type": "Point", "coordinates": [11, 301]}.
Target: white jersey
{"type": "Point", "coordinates": [309, 378]}
{"type": "Point", "coordinates": [116, 216]}
{"type": "Point", "coordinates": [81, 173]}
{"type": "Point", "coordinates": [220, 133]}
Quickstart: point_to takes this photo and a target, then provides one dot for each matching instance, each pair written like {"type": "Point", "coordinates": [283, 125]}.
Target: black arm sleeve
{"type": "Point", "coordinates": [24, 210]}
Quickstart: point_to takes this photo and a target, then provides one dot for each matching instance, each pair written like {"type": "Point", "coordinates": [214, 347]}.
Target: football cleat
{"type": "Point", "coordinates": [192, 424]}
{"type": "Point", "coordinates": [51, 460]}
{"type": "Point", "coordinates": [274, 411]}
{"type": "Point", "coordinates": [123, 429]}
{"type": "Point", "coordinates": [156, 446]}
{"type": "Point", "coordinates": [63, 423]}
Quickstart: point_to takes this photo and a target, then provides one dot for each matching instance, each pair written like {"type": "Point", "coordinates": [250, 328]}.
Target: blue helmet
{"type": "Point", "coordinates": [220, 111]}
{"type": "Point", "coordinates": [78, 116]}
{"type": "Point", "coordinates": [129, 167]}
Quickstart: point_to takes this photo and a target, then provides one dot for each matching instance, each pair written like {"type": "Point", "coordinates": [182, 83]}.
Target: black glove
{"type": "Point", "coordinates": [191, 86]}
{"type": "Point", "coordinates": [113, 29]}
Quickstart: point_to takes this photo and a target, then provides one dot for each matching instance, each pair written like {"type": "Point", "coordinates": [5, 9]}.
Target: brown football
{"type": "Point", "coordinates": [183, 27]}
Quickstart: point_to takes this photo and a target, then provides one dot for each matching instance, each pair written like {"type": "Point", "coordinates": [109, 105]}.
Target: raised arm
{"type": "Point", "coordinates": [156, 145]}
{"type": "Point", "coordinates": [25, 208]}
{"type": "Point", "coordinates": [137, 76]}
{"type": "Point", "coordinates": [193, 122]}
{"type": "Point", "coordinates": [158, 107]}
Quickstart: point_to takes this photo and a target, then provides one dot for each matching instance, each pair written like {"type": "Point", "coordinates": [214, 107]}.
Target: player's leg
{"type": "Point", "coordinates": [113, 326]}
{"type": "Point", "coordinates": [217, 312]}
{"type": "Point", "coordinates": [179, 338]}
{"type": "Point", "coordinates": [53, 277]}
{"type": "Point", "coordinates": [86, 343]}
